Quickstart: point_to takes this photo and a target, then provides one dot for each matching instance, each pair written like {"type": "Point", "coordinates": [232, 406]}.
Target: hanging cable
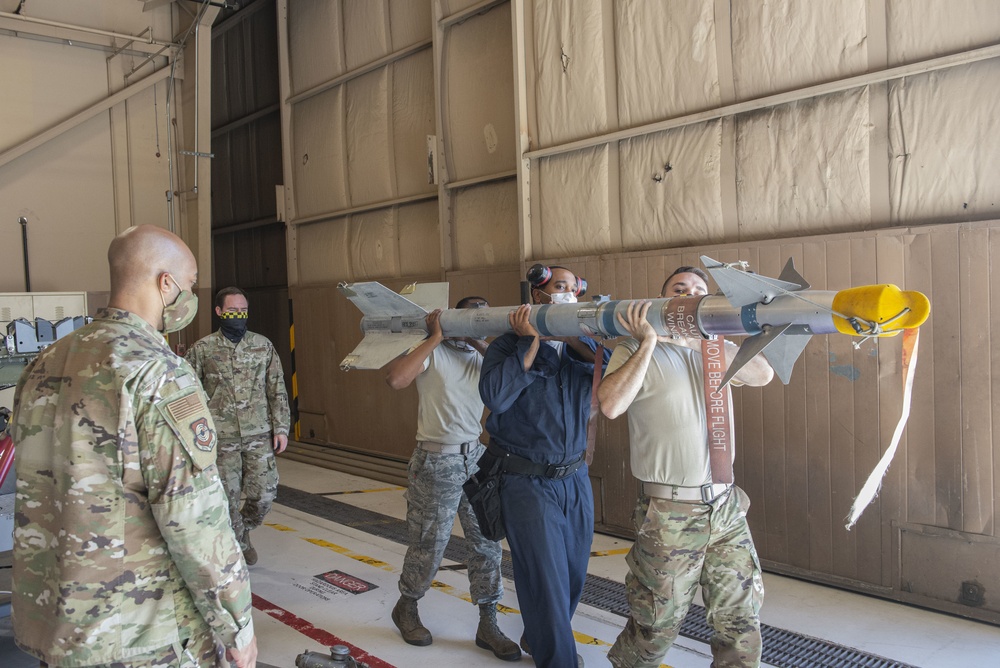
{"type": "Point", "coordinates": [156, 121]}
{"type": "Point", "coordinates": [170, 90]}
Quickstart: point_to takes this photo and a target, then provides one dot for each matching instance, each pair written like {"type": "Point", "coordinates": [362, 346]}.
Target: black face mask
{"type": "Point", "coordinates": [234, 326]}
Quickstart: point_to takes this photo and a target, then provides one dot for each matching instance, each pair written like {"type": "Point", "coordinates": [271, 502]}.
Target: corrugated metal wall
{"type": "Point", "coordinates": [248, 242]}
{"type": "Point", "coordinates": [805, 449]}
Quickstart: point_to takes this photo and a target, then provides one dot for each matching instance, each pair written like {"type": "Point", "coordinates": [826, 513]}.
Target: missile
{"type": "Point", "coordinates": [777, 315]}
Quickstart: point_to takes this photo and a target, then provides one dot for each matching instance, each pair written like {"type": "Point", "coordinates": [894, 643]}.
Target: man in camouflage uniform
{"type": "Point", "coordinates": [123, 554]}
{"type": "Point", "coordinates": [688, 530]}
{"type": "Point", "coordinates": [241, 373]}
{"type": "Point", "coordinates": [448, 447]}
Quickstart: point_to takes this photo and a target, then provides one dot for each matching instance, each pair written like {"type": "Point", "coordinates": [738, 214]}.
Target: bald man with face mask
{"type": "Point", "coordinates": [123, 552]}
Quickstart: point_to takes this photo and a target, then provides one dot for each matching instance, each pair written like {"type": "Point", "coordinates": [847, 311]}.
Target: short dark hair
{"type": "Point", "coordinates": [685, 270]}
{"type": "Point", "coordinates": [465, 301]}
{"type": "Point", "coordinates": [220, 296]}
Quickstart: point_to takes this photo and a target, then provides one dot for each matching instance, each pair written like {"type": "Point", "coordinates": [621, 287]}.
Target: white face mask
{"type": "Point", "coordinates": [563, 298]}
{"type": "Point", "coordinates": [460, 346]}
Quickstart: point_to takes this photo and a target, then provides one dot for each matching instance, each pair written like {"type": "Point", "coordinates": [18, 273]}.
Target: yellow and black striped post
{"type": "Point", "coordinates": [295, 382]}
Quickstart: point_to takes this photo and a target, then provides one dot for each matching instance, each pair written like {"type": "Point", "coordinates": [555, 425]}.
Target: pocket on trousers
{"type": "Point", "coordinates": [652, 608]}
{"type": "Point", "coordinates": [272, 473]}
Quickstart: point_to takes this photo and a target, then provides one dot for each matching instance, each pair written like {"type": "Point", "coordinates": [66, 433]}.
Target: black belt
{"type": "Point", "coordinates": [511, 463]}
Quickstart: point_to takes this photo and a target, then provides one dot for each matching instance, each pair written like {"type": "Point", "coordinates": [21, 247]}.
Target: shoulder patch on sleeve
{"type": "Point", "coordinates": [204, 435]}
{"type": "Point", "coordinates": [184, 407]}
{"type": "Point", "coordinates": [184, 381]}
{"type": "Point", "coordinates": [189, 420]}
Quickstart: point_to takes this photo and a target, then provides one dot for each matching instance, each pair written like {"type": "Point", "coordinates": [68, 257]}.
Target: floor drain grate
{"type": "Point", "coordinates": [781, 648]}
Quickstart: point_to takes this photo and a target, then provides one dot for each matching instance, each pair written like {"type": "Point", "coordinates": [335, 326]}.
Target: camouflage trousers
{"type": "Point", "coordinates": [248, 468]}
{"type": "Point", "coordinates": [433, 498]}
{"type": "Point", "coordinates": [680, 546]}
{"type": "Point", "coordinates": [201, 651]}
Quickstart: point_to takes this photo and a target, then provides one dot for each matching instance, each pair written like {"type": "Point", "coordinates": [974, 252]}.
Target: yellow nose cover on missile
{"type": "Point", "coordinates": [886, 305]}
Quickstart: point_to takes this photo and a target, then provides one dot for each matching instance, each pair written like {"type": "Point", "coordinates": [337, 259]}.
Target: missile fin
{"type": "Point", "coordinates": [783, 354]}
{"type": "Point", "coordinates": [374, 299]}
{"type": "Point", "coordinates": [790, 275]}
{"type": "Point", "coordinates": [744, 287]}
{"type": "Point", "coordinates": [780, 352]}
{"type": "Point", "coordinates": [428, 296]}
{"type": "Point", "coordinates": [750, 349]}
{"type": "Point", "coordinates": [379, 348]}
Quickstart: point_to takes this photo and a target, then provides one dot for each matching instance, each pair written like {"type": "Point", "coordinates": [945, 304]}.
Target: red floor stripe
{"type": "Point", "coordinates": [319, 635]}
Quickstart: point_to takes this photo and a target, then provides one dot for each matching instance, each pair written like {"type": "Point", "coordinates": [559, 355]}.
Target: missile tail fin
{"type": "Point", "coordinates": [378, 349]}
{"type": "Point", "coordinates": [780, 352]}
{"type": "Point", "coordinates": [428, 296]}
{"type": "Point", "coordinates": [374, 299]}
{"type": "Point", "coordinates": [750, 349]}
{"type": "Point", "coordinates": [790, 275]}
{"type": "Point", "coordinates": [783, 353]}
{"type": "Point", "coordinates": [744, 287]}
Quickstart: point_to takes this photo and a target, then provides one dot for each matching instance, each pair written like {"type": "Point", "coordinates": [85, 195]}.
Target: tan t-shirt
{"type": "Point", "coordinates": [668, 437]}
{"type": "Point", "coordinates": [449, 409]}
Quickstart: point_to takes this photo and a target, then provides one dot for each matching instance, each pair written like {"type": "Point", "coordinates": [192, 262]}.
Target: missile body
{"type": "Point", "coordinates": [778, 315]}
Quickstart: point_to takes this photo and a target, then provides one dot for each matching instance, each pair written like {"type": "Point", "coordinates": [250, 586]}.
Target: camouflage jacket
{"type": "Point", "coordinates": [244, 384]}
{"type": "Point", "coordinates": [122, 542]}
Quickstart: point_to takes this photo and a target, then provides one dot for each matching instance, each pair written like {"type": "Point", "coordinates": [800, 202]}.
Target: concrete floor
{"type": "Point", "coordinates": [319, 583]}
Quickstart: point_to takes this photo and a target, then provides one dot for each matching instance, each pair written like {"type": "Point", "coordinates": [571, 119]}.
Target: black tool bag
{"type": "Point", "coordinates": [483, 492]}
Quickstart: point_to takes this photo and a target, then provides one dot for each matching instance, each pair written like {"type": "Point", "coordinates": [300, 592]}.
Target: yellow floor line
{"type": "Point", "coordinates": [465, 596]}
{"type": "Point", "coordinates": [278, 527]}
{"type": "Point", "coordinates": [610, 553]}
{"type": "Point", "coordinates": [581, 638]}
{"type": "Point", "coordinates": [584, 639]}
{"type": "Point", "coordinates": [371, 561]}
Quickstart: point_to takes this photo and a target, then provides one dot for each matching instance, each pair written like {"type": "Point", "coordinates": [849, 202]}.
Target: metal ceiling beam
{"type": "Point", "coordinates": [899, 72]}
{"type": "Point", "coordinates": [11, 154]}
{"type": "Point", "coordinates": [74, 33]}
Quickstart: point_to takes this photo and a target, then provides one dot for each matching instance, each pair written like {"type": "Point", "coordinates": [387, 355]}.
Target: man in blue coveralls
{"type": "Point", "coordinates": [538, 389]}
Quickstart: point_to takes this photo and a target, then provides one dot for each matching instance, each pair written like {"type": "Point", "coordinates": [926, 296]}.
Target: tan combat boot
{"type": "Point", "coordinates": [249, 554]}
{"type": "Point", "coordinates": [489, 636]}
{"type": "Point", "coordinates": [406, 619]}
